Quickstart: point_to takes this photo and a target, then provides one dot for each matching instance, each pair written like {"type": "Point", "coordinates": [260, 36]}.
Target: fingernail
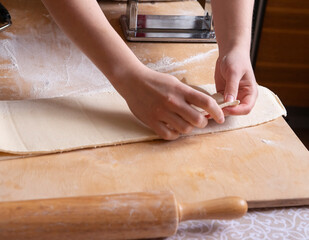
{"type": "Point", "coordinates": [229, 98]}
{"type": "Point", "coordinates": [221, 120]}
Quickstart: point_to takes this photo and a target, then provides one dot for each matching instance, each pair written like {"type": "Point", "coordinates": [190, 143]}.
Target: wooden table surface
{"type": "Point", "coordinates": [265, 164]}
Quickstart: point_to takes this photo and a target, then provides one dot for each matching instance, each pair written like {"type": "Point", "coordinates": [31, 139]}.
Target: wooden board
{"type": "Point", "coordinates": [263, 164]}
{"type": "Point", "coordinates": [267, 164]}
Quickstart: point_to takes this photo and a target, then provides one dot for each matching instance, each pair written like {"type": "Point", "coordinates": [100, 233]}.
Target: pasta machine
{"type": "Point", "coordinates": [167, 28]}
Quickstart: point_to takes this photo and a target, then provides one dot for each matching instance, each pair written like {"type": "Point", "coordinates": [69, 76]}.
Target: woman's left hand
{"type": "Point", "coordinates": [235, 79]}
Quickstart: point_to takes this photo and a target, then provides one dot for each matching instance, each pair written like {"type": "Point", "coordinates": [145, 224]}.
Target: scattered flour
{"type": "Point", "coordinates": [224, 148]}
{"type": "Point", "coordinates": [41, 62]}
{"type": "Point", "coordinates": [167, 64]}
{"type": "Point", "coordinates": [268, 142]}
{"type": "Point", "coordinates": [178, 72]}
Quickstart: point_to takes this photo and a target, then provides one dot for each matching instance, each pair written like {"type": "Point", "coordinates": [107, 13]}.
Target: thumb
{"type": "Point", "coordinates": [232, 75]}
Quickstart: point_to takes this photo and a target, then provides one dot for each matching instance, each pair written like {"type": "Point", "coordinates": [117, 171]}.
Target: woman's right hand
{"type": "Point", "coordinates": [158, 100]}
{"type": "Point", "coordinates": [163, 103]}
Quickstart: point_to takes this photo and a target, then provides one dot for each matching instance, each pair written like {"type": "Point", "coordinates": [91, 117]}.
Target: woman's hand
{"type": "Point", "coordinates": [158, 100]}
{"type": "Point", "coordinates": [163, 103]}
{"type": "Point", "coordinates": [235, 79]}
{"type": "Point", "coordinates": [233, 74]}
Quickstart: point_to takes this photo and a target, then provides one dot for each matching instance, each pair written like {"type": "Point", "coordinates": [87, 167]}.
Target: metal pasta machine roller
{"type": "Point", "coordinates": [167, 28]}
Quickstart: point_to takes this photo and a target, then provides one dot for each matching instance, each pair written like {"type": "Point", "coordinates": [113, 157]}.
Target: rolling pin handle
{"type": "Point", "coordinates": [222, 208]}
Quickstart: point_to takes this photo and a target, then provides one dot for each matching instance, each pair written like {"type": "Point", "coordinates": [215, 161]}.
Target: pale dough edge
{"type": "Point", "coordinates": [148, 138]}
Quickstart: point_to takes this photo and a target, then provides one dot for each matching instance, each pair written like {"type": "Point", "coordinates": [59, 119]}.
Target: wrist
{"type": "Point", "coordinates": [123, 77]}
{"type": "Point", "coordinates": [240, 49]}
{"type": "Point", "coordinates": [234, 39]}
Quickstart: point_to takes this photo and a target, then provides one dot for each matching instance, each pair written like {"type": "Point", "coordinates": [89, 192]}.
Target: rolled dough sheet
{"type": "Point", "coordinates": [67, 123]}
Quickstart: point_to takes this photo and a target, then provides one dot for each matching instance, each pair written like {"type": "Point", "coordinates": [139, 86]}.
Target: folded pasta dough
{"type": "Point", "coordinates": [67, 123]}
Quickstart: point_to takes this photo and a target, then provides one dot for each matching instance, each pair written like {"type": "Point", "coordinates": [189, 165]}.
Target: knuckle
{"type": "Point", "coordinates": [157, 111]}
{"type": "Point", "coordinates": [171, 101]}
{"type": "Point", "coordinates": [209, 103]}
{"type": "Point", "coordinates": [162, 133]}
{"type": "Point", "coordinates": [186, 129]}
{"type": "Point", "coordinates": [199, 120]}
{"type": "Point", "coordinates": [165, 135]}
{"type": "Point", "coordinates": [168, 135]}
{"type": "Point", "coordinates": [190, 92]}
{"type": "Point", "coordinates": [179, 87]}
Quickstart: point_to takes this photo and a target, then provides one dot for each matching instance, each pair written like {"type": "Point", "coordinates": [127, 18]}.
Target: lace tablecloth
{"type": "Point", "coordinates": [281, 223]}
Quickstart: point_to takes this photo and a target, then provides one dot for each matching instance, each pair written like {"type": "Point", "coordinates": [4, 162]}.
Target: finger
{"type": "Point", "coordinates": [246, 104]}
{"type": "Point", "coordinates": [232, 74]}
{"type": "Point", "coordinates": [241, 109]}
{"type": "Point", "coordinates": [164, 132]}
{"type": "Point", "coordinates": [177, 123]}
{"type": "Point", "coordinates": [191, 115]}
{"type": "Point", "coordinates": [207, 103]}
{"type": "Point", "coordinates": [185, 110]}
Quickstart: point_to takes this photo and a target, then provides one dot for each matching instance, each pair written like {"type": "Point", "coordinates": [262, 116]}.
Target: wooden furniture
{"type": "Point", "coordinates": [282, 60]}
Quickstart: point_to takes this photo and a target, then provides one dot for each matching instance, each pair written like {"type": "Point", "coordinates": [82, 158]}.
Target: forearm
{"type": "Point", "coordinates": [159, 100]}
{"type": "Point", "coordinates": [85, 24]}
{"type": "Point", "coordinates": [232, 21]}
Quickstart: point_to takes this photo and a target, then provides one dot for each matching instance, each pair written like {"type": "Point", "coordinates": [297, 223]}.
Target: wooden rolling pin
{"type": "Point", "coordinates": [119, 216]}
